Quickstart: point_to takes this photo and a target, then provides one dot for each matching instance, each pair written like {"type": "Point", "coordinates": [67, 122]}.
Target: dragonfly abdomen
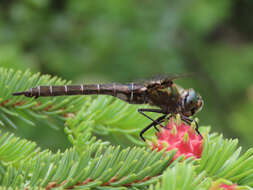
{"type": "Point", "coordinates": [127, 92]}
{"type": "Point", "coordinates": [66, 90]}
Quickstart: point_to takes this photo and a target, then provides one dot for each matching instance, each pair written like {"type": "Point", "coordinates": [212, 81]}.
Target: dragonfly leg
{"type": "Point", "coordinates": [154, 123]}
{"type": "Point", "coordinates": [189, 120]}
{"type": "Point", "coordinates": [141, 111]}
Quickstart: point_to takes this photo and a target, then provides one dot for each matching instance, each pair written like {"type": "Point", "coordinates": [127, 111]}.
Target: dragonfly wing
{"type": "Point", "coordinates": [180, 89]}
{"type": "Point", "coordinates": [164, 81]}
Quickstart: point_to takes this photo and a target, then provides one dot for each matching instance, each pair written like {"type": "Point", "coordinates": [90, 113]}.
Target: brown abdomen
{"type": "Point", "coordinates": [132, 93]}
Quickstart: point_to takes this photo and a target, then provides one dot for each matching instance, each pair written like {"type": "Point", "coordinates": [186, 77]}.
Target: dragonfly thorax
{"type": "Point", "coordinates": [191, 102]}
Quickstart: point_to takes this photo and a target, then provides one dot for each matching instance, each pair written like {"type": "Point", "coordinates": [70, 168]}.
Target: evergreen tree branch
{"type": "Point", "coordinates": [182, 176]}
{"type": "Point", "coordinates": [30, 109]}
{"type": "Point", "coordinates": [96, 166]}
{"type": "Point", "coordinates": [113, 119]}
{"type": "Point", "coordinates": [221, 159]}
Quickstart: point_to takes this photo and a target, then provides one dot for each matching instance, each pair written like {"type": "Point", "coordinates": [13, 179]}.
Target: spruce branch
{"type": "Point", "coordinates": [13, 150]}
{"type": "Point", "coordinates": [28, 110]}
{"type": "Point", "coordinates": [109, 118]}
{"type": "Point", "coordinates": [221, 159]}
{"type": "Point", "coordinates": [115, 120]}
{"type": "Point", "coordinates": [98, 165]}
{"type": "Point", "coordinates": [182, 176]}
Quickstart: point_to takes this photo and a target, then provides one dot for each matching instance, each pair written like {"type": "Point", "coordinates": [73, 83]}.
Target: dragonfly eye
{"type": "Point", "coordinates": [192, 102]}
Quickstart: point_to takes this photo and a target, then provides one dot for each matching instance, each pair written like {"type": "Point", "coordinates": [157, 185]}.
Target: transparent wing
{"type": "Point", "coordinates": [164, 80]}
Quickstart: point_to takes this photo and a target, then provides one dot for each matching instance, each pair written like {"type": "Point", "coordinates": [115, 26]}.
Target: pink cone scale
{"type": "Point", "coordinates": [180, 136]}
{"type": "Point", "coordinates": [228, 187]}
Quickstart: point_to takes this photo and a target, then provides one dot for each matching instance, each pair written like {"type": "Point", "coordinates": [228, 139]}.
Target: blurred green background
{"type": "Point", "coordinates": [112, 40]}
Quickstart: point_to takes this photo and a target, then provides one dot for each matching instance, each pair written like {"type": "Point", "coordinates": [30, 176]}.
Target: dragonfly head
{"type": "Point", "coordinates": [191, 102]}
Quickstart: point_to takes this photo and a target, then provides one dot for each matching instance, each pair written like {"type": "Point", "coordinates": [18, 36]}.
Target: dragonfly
{"type": "Point", "coordinates": [167, 97]}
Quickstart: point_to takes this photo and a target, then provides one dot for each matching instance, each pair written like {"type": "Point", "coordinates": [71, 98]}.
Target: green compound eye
{"type": "Point", "coordinates": [192, 102]}
{"type": "Point", "coordinates": [192, 97]}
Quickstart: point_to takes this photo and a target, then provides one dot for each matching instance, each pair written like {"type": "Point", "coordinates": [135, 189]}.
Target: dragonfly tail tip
{"type": "Point", "coordinates": [18, 93]}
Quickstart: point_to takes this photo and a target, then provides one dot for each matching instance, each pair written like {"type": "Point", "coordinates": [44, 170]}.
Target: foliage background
{"type": "Point", "coordinates": [103, 41]}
